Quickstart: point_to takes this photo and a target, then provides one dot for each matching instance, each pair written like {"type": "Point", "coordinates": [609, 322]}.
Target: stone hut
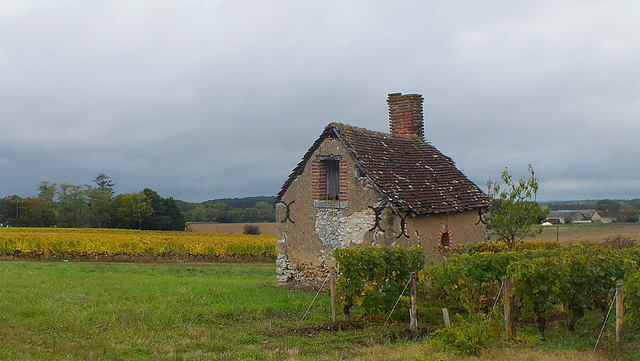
{"type": "Point", "coordinates": [358, 187]}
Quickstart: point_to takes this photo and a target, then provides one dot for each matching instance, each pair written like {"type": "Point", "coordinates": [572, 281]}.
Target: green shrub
{"type": "Point", "coordinates": [374, 277]}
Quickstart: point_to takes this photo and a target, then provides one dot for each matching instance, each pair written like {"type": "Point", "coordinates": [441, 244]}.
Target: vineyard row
{"type": "Point", "coordinates": [129, 245]}
{"type": "Point", "coordinates": [544, 278]}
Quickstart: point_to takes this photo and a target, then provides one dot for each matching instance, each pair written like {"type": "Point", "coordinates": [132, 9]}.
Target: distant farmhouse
{"type": "Point", "coordinates": [569, 216]}
{"type": "Point", "coordinates": [605, 217]}
{"type": "Point", "coordinates": [582, 216]}
{"type": "Point", "coordinates": [358, 187]}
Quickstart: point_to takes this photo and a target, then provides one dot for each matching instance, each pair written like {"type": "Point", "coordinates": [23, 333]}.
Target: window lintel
{"type": "Point", "coordinates": [322, 157]}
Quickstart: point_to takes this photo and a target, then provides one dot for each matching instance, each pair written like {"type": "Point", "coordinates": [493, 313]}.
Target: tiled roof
{"type": "Point", "coordinates": [608, 214]}
{"type": "Point", "coordinates": [412, 174]}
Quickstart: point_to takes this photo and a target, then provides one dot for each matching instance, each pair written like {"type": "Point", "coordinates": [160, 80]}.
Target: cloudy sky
{"type": "Point", "coordinates": [209, 99]}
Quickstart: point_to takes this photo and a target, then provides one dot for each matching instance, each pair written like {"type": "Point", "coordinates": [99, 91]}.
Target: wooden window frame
{"type": "Point", "coordinates": [329, 178]}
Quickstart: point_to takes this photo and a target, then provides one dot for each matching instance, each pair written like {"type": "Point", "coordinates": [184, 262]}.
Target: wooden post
{"type": "Point", "coordinates": [508, 321]}
{"type": "Point", "coordinates": [445, 317]}
{"type": "Point", "coordinates": [619, 312]}
{"type": "Point", "coordinates": [332, 287]}
{"type": "Point", "coordinates": [413, 311]}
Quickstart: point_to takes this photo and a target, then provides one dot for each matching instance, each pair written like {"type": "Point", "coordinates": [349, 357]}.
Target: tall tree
{"type": "Point", "coordinates": [514, 210]}
{"type": "Point", "coordinates": [101, 207]}
{"type": "Point", "coordinates": [166, 214]}
{"type": "Point", "coordinates": [33, 213]}
{"type": "Point", "coordinates": [153, 220]}
{"type": "Point", "coordinates": [9, 210]}
{"type": "Point", "coordinates": [47, 193]}
{"type": "Point", "coordinates": [132, 208]}
{"type": "Point", "coordinates": [73, 206]}
{"type": "Point", "coordinates": [104, 183]}
{"type": "Point", "coordinates": [175, 218]}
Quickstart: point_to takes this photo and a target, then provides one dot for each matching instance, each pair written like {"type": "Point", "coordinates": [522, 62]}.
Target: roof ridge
{"type": "Point", "coordinates": [342, 127]}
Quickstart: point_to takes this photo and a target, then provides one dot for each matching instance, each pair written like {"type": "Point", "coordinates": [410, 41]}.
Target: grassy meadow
{"type": "Point", "coordinates": [98, 311]}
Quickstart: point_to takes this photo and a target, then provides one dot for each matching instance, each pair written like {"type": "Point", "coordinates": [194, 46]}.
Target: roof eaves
{"type": "Point", "coordinates": [299, 168]}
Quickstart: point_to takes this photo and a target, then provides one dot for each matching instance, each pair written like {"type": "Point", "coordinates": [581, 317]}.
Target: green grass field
{"type": "Point", "coordinates": [98, 311]}
{"type": "Point", "coordinates": [106, 311]}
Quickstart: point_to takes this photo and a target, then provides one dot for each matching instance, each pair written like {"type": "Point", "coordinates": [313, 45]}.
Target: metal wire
{"type": "Point", "coordinates": [497, 297]}
{"type": "Point", "coordinates": [394, 306]}
{"type": "Point", "coordinates": [605, 321]}
{"type": "Point", "coordinates": [314, 299]}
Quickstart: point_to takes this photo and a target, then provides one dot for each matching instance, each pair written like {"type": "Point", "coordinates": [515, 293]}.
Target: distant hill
{"type": "Point", "coordinates": [240, 203]}
{"type": "Point", "coordinates": [230, 210]}
{"type": "Point", "coordinates": [243, 203]}
{"type": "Point", "coordinates": [603, 204]}
{"type": "Point", "coordinates": [577, 205]}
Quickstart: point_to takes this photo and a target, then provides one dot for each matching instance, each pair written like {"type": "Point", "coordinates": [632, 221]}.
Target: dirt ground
{"type": "Point", "coordinates": [573, 233]}
{"type": "Point", "coordinates": [230, 228]}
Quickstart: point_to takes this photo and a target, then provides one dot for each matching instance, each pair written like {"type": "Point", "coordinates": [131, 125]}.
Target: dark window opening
{"type": "Point", "coordinates": [333, 179]}
{"type": "Point", "coordinates": [444, 241]}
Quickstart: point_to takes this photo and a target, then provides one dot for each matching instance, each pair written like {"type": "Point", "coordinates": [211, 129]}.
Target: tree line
{"type": "Point", "coordinates": [613, 205]}
{"type": "Point", "coordinates": [69, 205]}
{"type": "Point", "coordinates": [224, 211]}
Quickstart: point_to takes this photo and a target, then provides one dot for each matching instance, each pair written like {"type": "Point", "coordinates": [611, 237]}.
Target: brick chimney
{"type": "Point", "coordinates": [405, 115]}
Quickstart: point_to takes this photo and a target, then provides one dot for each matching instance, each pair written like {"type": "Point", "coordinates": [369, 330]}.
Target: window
{"type": "Point", "coordinates": [329, 178]}
{"type": "Point", "coordinates": [444, 241]}
{"type": "Point", "coordinates": [333, 179]}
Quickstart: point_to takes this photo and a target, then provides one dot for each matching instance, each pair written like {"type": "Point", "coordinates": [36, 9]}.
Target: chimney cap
{"type": "Point", "coordinates": [394, 97]}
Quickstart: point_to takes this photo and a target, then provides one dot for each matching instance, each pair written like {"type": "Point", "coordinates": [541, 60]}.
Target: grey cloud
{"type": "Point", "coordinates": [202, 99]}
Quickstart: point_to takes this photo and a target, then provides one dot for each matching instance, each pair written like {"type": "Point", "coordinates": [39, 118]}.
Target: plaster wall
{"type": "Point", "coordinates": [424, 231]}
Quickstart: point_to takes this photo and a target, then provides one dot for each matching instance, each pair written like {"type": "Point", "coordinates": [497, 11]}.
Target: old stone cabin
{"type": "Point", "coordinates": [358, 187]}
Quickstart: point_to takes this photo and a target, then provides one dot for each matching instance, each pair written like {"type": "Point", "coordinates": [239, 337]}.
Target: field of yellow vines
{"type": "Point", "coordinates": [90, 242]}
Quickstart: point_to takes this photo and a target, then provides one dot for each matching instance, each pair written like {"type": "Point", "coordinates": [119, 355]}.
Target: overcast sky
{"type": "Point", "coordinates": [209, 99]}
